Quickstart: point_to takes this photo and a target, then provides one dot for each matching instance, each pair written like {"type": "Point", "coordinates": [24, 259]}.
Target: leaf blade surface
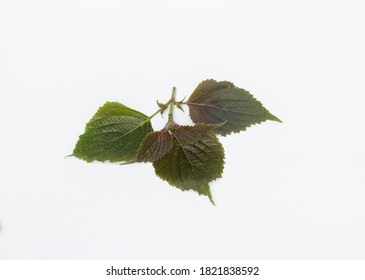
{"type": "Point", "coordinates": [154, 146]}
{"type": "Point", "coordinates": [114, 133]}
{"type": "Point", "coordinates": [215, 102]}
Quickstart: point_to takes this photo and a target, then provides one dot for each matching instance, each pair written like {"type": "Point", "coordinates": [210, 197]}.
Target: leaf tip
{"type": "Point", "coordinates": [274, 118]}
{"type": "Point", "coordinates": [205, 190]}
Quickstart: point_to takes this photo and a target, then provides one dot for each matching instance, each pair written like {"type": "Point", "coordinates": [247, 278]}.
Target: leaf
{"type": "Point", "coordinates": [194, 160]}
{"type": "Point", "coordinates": [215, 102]}
{"type": "Point", "coordinates": [114, 133]}
{"type": "Point", "coordinates": [154, 146]}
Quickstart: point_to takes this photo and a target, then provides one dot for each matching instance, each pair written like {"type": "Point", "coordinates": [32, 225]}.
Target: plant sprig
{"type": "Point", "coordinates": [187, 157]}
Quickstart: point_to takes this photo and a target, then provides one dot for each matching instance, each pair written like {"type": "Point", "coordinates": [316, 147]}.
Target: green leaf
{"type": "Point", "coordinates": [215, 102]}
{"type": "Point", "coordinates": [114, 133]}
{"type": "Point", "coordinates": [154, 146]}
{"type": "Point", "coordinates": [194, 160]}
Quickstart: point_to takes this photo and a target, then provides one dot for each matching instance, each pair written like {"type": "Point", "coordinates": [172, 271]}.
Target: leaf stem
{"type": "Point", "coordinates": [172, 104]}
{"type": "Point", "coordinates": [155, 113]}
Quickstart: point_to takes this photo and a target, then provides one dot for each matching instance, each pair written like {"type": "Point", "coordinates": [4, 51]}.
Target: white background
{"type": "Point", "coordinates": [293, 190]}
